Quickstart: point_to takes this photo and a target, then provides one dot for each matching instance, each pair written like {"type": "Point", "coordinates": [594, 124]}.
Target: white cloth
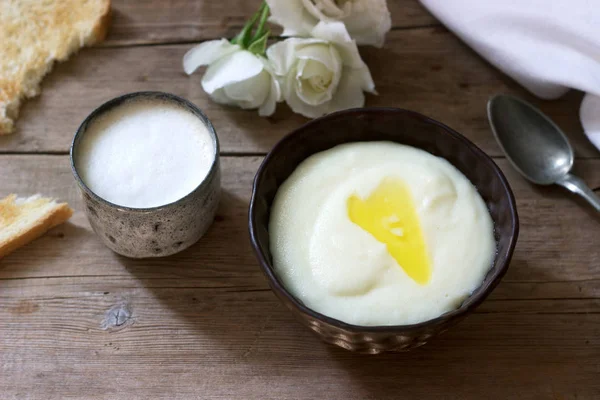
{"type": "Point", "coordinates": [548, 46]}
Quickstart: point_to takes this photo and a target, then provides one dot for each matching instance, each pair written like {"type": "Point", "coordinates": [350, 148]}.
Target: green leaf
{"type": "Point", "coordinates": [259, 46]}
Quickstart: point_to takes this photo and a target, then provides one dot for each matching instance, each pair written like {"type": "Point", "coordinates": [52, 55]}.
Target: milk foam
{"type": "Point", "coordinates": [145, 153]}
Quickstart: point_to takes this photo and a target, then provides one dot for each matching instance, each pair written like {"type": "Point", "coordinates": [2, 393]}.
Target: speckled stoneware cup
{"type": "Point", "coordinates": [158, 231]}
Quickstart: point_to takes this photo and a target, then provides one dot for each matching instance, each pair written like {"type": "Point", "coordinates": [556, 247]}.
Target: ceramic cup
{"type": "Point", "coordinates": [158, 231]}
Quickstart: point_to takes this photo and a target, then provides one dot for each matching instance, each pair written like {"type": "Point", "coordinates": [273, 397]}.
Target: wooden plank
{"type": "Point", "coordinates": [216, 344]}
{"type": "Point", "coordinates": [203, 324]}
{"type": "Point", "coordinates": [176, 21]}
{"type": "Point", "coordinates": [20, 294]}
{"type": "Point", "coordinates": [557, 242]}
{"type": "Point", "coordinates": [235, 344]}
{"type": "Point", "coordinates": [426, 70]}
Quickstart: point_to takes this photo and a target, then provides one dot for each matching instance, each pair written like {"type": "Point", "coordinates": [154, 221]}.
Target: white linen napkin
{"type": "Point", "coordinates": [548, 46]}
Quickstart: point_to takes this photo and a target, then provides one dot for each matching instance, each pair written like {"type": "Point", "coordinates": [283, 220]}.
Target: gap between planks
{"type": "Point", "coordinates": [222, 154]}
{"type": "Point", "coordinates": [66, 153]}
{"type": "Point", "coordinates": [126, 44]}
{"type": "Point", "coordinates": [162, 278]}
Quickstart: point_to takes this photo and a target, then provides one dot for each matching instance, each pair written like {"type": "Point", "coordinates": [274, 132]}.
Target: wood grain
{"type": "Point", "coordinates": [548, 215]}
{"type": "Point", "coordinates": [79, 322]}
{"type": "Point", "coordinates": [198, 343]}
{"type": "Point", "coordinates": [426, 70]}
{"type": "Point", "coordinates": [140, 22]}
{"type": "Point", "coordinates": [203, 324]}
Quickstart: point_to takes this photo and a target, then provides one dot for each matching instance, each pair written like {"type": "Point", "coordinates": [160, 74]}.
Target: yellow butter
{"type": "Point", "coordinates": [389, 214]}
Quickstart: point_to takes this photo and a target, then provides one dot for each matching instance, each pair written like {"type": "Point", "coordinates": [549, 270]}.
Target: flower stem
{"type": "Point", "coordinates": [260, 30]}
{"type": "Point", "coordinates": [243, 37]}
{"type": "Point", "coordinates": [257, 42]}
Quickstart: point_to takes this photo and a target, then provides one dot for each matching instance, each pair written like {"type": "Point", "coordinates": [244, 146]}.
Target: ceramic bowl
{"type": "Point", "coordinates": [405, 127]}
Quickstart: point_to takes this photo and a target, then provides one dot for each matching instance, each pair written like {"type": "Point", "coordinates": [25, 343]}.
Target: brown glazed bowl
{"type": "Point", "coordinates": [399, 126]}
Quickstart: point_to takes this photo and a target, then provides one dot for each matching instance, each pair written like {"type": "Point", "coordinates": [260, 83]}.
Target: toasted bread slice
{"type": "Point", "coordinates": [34, 34]}
{"type": "Point", "coordinates": [25, 219]}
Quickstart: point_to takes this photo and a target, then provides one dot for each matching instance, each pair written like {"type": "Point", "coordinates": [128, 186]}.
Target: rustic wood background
{"type": "Point", "coordinates": [79, 322]}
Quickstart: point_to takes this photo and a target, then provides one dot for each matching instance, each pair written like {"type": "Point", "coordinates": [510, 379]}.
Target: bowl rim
{"type": "Point", "coordinates": [482, 291]}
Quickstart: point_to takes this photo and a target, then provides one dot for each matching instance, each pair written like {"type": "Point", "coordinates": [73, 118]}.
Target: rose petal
{"type": "Point", "coordinates": [367, 83]}
{"type": "Point", "coordinates": [250, 93]}
{"type": "Point", "coordinates": [319, 52]}
{"type": "Point", "coordinates": [282, 55]}
{"type": "Point", "coordinates": [207, 53]}
{"type": "Point", "coordinates": [219, 96]}
{"type": "Point", "coordinates": [268, 107]}
{"type": "Point", "coordinates": [275, 84]}
{"type": "Point", "coordinates": [331, 31]}
{"type": "Point", "coordinates": [313, 69]}
{"type": "Point", "coordinates": [338, 67]}
{"type": "Point", "coordinates": [308, 69]}
{"type": "Point", "coordinates": [349, 93]}
{"type": "Point", "coordinates": [324, 10]}
{"type": "Point", "coordinates": [233, 68]}
{"type": "Point", "coordinates": [336, 33]}
{"type": "Point", "coordinates": [292, 16]}
{"type": "Point", "coordinates": [296, 104]}
{"type": "Point", "coordinates": [368, 22]}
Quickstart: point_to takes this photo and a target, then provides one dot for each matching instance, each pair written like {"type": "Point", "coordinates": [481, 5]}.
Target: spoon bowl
{"type": "Point", "coordinates": [535, 145]}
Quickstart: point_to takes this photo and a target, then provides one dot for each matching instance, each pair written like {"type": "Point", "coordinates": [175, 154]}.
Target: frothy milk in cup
{"type": "Point", "coordinates": [145, 153]}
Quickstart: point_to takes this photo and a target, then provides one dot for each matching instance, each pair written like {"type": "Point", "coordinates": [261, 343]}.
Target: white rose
{"type": "Point", "coordinates": [367, 21]}
{"type": "Point", "coordinates": [322, 74]}
{"type": "Point", "coordinates": [235, 76]}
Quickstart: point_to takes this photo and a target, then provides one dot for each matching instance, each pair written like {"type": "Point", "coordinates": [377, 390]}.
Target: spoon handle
{"type": "Point", "coordinates": [578, 186]}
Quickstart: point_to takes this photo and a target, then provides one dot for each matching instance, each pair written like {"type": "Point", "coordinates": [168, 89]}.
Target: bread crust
{"type": "Point", "coordinates": [57, 215]}
{"type": "Point", "coordinates": [101, 29]}
{"type": "Point", "coordinates": [14, 89]}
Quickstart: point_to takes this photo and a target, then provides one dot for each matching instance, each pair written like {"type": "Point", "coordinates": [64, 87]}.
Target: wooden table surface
{"type": "Point", "coordinates": [203, 324]}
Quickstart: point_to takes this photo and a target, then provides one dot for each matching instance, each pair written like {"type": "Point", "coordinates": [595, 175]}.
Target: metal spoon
{"type": "Point", "coordinates": [535, 146]}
